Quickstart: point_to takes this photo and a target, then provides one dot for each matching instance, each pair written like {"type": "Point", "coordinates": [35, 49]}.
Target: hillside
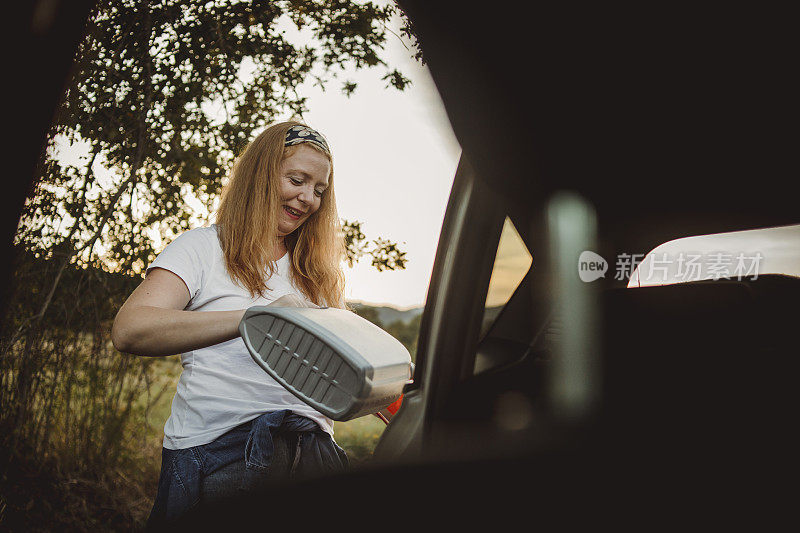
{"type": "Point", "coordinates": [388, 315]}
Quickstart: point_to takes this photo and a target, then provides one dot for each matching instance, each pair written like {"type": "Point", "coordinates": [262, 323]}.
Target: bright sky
{"type": "Point", "coordinates": [738, 253]}
{"type": "Point", "coordinates": [395, 157]}
{"type": "Point", "coordinates": [511, 262]}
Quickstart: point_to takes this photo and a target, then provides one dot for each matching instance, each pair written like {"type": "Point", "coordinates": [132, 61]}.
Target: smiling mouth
{"type": "Point", "coordinates": [293, 213]}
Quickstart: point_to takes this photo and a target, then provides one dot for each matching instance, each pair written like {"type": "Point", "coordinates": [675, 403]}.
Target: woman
{"type": "Point", "coordinates": [277, 241]}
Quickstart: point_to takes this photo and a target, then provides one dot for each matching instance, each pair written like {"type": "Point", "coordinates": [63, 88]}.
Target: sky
{"type": "Point", "coordinates": [738, 253]}
{"type": "Point", "coordinates": [395, 157]}
{"type": "Point", "coordinates": [511, 262]}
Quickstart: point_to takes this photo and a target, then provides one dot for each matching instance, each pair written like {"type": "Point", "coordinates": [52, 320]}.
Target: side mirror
{"type": "Point", "coordinates": [342, 365]}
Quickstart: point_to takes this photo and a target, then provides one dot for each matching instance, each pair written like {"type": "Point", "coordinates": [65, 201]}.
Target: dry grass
{"type": "Point", "coordinates": [36, 495]}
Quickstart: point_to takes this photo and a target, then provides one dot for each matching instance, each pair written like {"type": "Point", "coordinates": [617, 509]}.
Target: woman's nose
{"type": "Point", "coordinates": [306, 195]}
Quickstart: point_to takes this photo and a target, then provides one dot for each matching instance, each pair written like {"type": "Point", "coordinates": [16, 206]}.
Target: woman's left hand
{"type": "Point", "coordinates": [292, 300]}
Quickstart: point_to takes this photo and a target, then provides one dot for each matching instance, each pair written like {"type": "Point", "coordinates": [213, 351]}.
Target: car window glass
{"type": "Point", "coordinates": [511, 264]}
{"type": "Point", "coordinates": [734, 255]}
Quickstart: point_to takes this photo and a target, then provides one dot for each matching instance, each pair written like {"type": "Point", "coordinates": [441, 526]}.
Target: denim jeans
{"type": "Point", "coordinates": [274, 447]}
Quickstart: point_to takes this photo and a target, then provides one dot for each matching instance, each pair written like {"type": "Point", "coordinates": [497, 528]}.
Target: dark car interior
{"type": "Point", "coordinates": [669, 124]}
{"type": "Point", "coordinates": [687, 364]}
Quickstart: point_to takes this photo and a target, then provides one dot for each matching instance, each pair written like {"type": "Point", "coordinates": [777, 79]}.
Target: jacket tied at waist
{"type": "Point", "coordinates": [272, 447]}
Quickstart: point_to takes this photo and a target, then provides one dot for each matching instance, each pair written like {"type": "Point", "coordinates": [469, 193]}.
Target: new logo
{"type": "Point", "coordinates": [591, 266]}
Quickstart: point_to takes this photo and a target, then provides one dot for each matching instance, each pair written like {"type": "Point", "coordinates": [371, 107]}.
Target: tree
{"type": "Point", "coordinates": [407, 333]}
{"type": "Point", "coordinates": [385, 254]}
{"type": "Point", "coordinates": [147, 78]}
{"type": "Point", "coordinates": [369, 313]}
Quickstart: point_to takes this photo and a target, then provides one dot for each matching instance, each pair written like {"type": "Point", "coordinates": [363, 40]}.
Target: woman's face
{"type": "Point", "coordinates": [303, 181]}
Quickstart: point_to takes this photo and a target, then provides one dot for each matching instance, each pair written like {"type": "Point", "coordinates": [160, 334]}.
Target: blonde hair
{"type": "Point", "coordinates": [248, 220]}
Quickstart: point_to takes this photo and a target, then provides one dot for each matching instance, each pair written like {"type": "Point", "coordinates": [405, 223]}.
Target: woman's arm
{"type": "Point", "coordinates": [152, 320]}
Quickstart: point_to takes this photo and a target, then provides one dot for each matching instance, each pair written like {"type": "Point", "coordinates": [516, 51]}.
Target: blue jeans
{"type": "Point", "coordinates": [274, 447]}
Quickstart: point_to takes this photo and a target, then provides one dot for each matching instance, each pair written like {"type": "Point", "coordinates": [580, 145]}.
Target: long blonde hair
{"type": "Point", "coordinates": [248, 220]}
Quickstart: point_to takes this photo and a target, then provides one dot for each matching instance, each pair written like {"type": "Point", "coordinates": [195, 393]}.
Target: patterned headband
{"type": "Point", "coordinates": [304, 134]}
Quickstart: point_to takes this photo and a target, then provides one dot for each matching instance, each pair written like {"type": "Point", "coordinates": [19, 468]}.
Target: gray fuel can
{"type": "Point", "coordinates": [342, 365]}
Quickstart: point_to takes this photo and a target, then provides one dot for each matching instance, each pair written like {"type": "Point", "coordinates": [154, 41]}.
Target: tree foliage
{"type": "Point", "coordinates": [406, 331]}
{"type": "Point", "coordinates": [385, 254]}
{"type": "Point", "coordinates": [164, 94]}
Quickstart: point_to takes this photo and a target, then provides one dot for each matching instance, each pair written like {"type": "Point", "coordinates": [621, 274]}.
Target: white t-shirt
{"type": "Point", "coordinates": [221, 386]}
